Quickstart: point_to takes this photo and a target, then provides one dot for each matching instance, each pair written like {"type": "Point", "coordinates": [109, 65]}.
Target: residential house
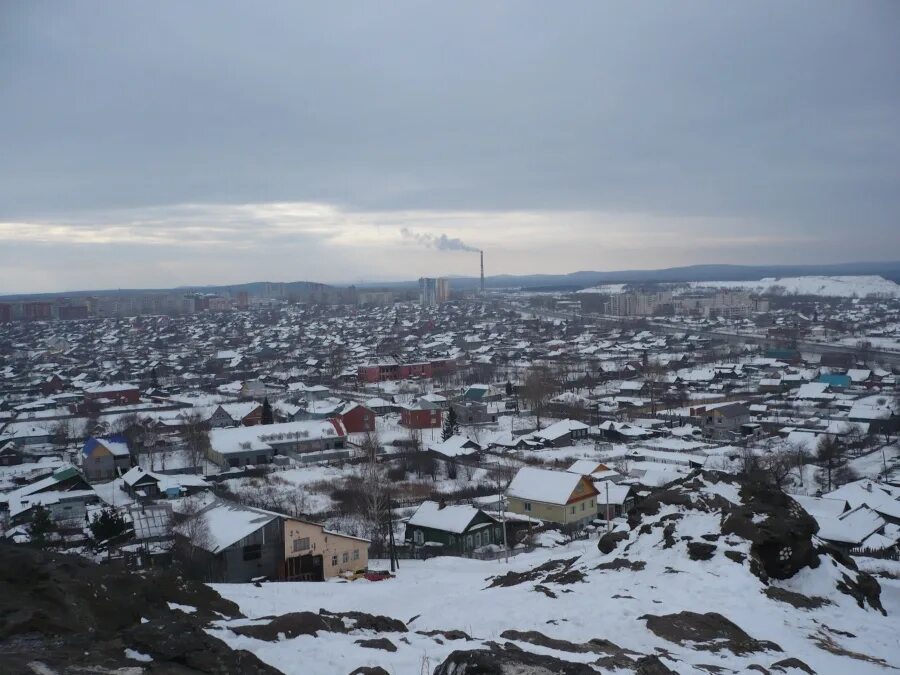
{"type": "Point", "coordinates": [105, 458]}
{"type": "Point", "coordinates": [473, 412]}
{"type": "Point", "coordinates": [230, 543]}
{"type": "Point", "coordinates": [562, 433]}
{"type": "Point", "coordinates": [436, 529]}
{"type": "Point", "coordinates": [421, 415]}
{"type": "Point", "coordinates": [723, 420]}
{"type": "Point", "coordinates": [10, 454]}
{"type": "Point", "coordinates": [65, 494]}
{"type": "Point", "coordinates": [555, 496]}
{"type": "Point", "coordinates": [305, 441]}
{"type": "Point", "coordinates": [113, 394]}
{"type": "Point", "coordinates": [313, 553]}
{"type": "Point", "coordinates": [141, 484]}
{"type": "Point", "coordinates": [356, 418]}
{"type": "Point", "coordinates": [455, 446]}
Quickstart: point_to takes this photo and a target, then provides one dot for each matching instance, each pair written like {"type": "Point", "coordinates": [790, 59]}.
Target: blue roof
{"type": "Point", "coordinates": [835, 380]}
{"type": "Point", "coordinates": [92, 443]}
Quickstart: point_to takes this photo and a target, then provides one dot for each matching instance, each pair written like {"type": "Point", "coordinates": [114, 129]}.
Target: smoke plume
{"type": "Point", "coordinates": [439, 242]}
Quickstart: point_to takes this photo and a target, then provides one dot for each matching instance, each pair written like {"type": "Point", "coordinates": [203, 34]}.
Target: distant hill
{"type": "Point", "coordinates": [572, 281]}
{"type": "Point", "coordinates": [584, 279]}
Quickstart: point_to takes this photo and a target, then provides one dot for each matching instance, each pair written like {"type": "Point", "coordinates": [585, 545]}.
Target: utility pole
{"type": "Point", "coordinates": [391, 549]}
{"type": "Point", "coordinates": [608, 523]}
{"type": "Point", "coordinates": [502, 506]}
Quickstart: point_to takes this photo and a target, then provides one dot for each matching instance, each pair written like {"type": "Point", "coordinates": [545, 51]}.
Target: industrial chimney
{"type": "Point", "coordinates": [482, 272]}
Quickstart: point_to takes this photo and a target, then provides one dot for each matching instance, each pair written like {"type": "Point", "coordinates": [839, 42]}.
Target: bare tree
{"type": "Point", "coordinates": [193, 530]}
{"type": "Point", "coordinates": [537, 389]}
{"type": "Point", "coordinates": [374, 504]}
{"type": "Point", "coordinates": [195, 432]}
{"type": "Point", "coordinates": [831, 456]}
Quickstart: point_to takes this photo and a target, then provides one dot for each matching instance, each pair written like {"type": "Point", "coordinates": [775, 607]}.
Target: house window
{"type": "Point", "coordinates": [253, 552]}
{"type": "Point", "coordinates": [528, 506]}
{"type": "Point", "coordinates": [477, 539]}
{"type": "Point", "coordinates": [334, 561]}
{"type": "Point", "coordinates": [419, 537]}
{"type": "Point", "coordinates": [572, 510]}
{"type": "Point", "coordinates": [487, 537]}
{"type": "Point", "coordinates": [345, 557]}
{"type": "Point", "coordinates": [356, 554]}
{"type": "Point", "coordinates": [469, 541]}
{"type": "Point", "coordinates": [592, 502]}
{"type": "Point", "coordinates": [301, 544]}
{"type": "Point", "coordinates": [583, 506]}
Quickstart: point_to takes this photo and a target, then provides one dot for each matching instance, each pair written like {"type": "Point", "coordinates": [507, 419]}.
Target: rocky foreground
{"type": "Point", "coordinates": [711, 576]}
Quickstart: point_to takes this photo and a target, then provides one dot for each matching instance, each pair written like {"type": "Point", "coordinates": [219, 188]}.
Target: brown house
{"type": "Point", "coordinates": [312, 553]}
{"type": "Point", "coordinates": [556, 496]}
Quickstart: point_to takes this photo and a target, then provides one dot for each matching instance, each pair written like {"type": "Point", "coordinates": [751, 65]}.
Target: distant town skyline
{"type": "Point", "coordinates": [216, 143]}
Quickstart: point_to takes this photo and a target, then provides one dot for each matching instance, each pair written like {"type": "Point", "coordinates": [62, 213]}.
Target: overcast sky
{"type": "Point", "coordinates": [173, 142]}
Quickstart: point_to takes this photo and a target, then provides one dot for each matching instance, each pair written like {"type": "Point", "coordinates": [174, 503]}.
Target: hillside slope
{"type": "Point", "coordinates": [713, 576]}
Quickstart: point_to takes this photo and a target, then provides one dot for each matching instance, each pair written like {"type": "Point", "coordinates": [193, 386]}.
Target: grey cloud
{"type": "Point", "coordinates": [779, 115]}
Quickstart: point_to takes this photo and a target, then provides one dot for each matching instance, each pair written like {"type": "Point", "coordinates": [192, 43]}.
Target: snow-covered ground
{"type": "Point", "coordinates": [448, 593]}
{"type": "Point", "coordinates": [837, 286]}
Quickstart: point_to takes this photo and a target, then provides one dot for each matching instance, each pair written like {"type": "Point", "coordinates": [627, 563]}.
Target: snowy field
{"type": "Point", "coordinates": [841, 287]}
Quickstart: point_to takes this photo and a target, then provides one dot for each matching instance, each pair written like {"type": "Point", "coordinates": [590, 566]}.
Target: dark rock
{"type": "Point", "coordinates": [736, 556]}
{"type": "Point", "coordinates": [609, 541]}
{"type": "Point", "coordinates": [507, 659]}
{"type": "Point", "coordinates": [378, 643]}
{"type": "Point", "coordinates": [373, 622]}
{"type": "Point", "coordinates": [540, 588]}
{"type": "Point", "coordinates": [446, 634]}
{"type": "Point", "coordinates": [565, 577]}
{"type": "Point", "coordinates": [865, 588]}
{"type": "Point", "coordinates": [622, 564]}
{"type": "Point", "coordinates": [791, 662]}
{"type": "Point", "coordinates": [651, 665]}
{"type": "Point", "coordinates": [516, 578]}
{"type": "Point", "coordinates": [780, 545]}
{"type": "Point", "coordinates": [370, 670]}
{"type": "Point", "coordinates": [293, 624]}
{"type": "Point", "coordinates": [669, 535]}
{"type": "Point", "coordinates": [698, 550]}
{"type": "Point", "coordinates": [798, 600]}
{"type": "Point", "coordinates": [615, 656]}
{"type": "Point", "coordinates": [72, 615]}
{"type": "Point", "coordinates": [710, 631]}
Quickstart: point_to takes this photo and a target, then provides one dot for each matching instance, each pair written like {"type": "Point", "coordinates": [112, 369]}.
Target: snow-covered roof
{"type": "Point", "coordinates": [543, 485]}
{"type": "Point", "coordinates": [560, 429]}
{"type": "Point", "coordinates": [260, 437]}
{"type": "Point", "coordinates": [448, 519]}
{"type": "Point", "coordinates": [227, 523]}
{"type": "Point", "coordinates": [851, 527]}
{"type": "Point", "coordinates": [455, 446]}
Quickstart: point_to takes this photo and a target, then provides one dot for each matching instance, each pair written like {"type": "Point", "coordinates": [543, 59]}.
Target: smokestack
{"type": "Point", "coordinates": [482, 271]}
